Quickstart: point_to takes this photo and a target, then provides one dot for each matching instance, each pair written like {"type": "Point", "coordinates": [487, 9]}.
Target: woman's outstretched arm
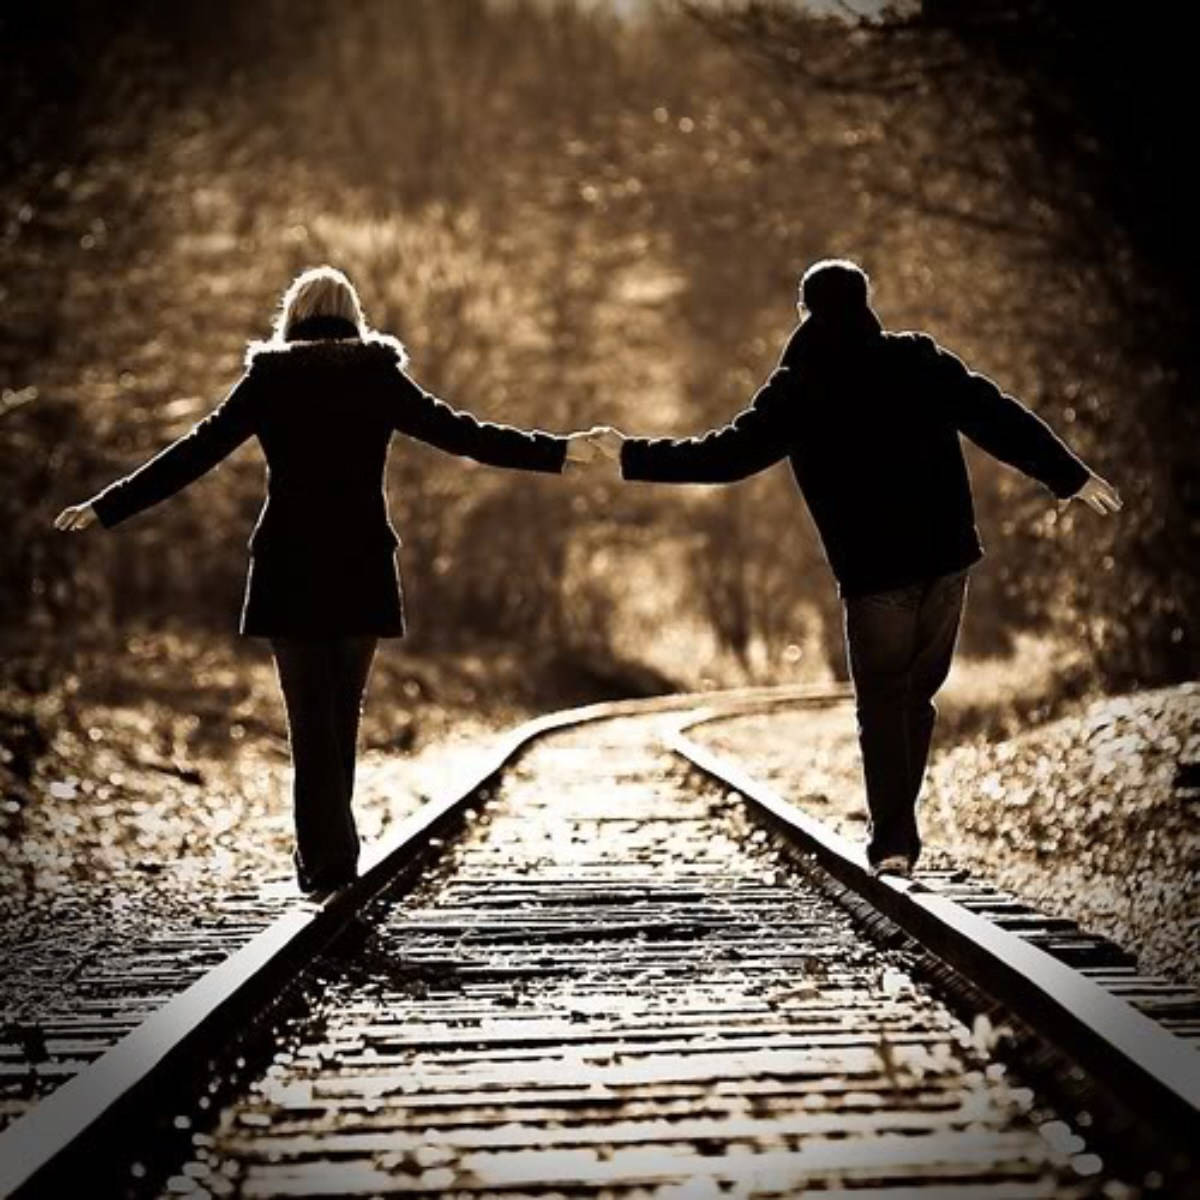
{"type": "Point", "coordinates": [420, 415]}
{"type": "Point", "coordinates": [182, 462]}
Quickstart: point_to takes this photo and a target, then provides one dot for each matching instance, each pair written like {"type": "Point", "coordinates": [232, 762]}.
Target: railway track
{"type": "Point", "coordinates": [613, 964]}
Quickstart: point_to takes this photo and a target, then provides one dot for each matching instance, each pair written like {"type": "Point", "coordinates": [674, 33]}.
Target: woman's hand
{"type": "Point", "coordinates": [75, 518]}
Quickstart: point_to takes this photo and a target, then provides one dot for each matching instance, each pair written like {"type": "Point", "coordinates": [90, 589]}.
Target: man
{"type": "Point", "coordinates": [870, 422]}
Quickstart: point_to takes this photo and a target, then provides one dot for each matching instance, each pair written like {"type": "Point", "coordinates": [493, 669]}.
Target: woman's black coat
{"type": "Point", "coordinates": [323, 549]}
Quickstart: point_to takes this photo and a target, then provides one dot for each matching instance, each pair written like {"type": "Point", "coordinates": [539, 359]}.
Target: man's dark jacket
{"type": "Point", "coordinates": [324, 411]}
{"type": "Point", "coordinates": [871, 422]}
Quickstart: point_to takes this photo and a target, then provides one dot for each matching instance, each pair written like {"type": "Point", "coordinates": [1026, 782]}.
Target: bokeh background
{"type": "Point", "coordinates": [584, 212]}
{"type": "Point", "coordinates": [571, 213]}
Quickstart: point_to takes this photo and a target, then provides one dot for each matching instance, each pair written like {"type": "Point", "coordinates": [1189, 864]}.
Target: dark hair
{"type": "Point", "coordinates": [833, 286]}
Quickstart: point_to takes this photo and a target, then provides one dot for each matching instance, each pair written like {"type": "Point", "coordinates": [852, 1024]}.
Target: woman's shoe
{"type": "Point", "coordinates": [322, 884]}
{"type": "Point", "coordinates": [328, 880]}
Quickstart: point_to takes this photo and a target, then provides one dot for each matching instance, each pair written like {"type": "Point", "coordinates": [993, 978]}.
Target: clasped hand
{"type": "Point", "coordinates": [596, 450]}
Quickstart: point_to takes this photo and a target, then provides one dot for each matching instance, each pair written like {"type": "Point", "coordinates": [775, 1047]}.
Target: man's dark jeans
{"type": "Point", "coordinates": [900, 644]}
{"type": "Point", "coordinates": [323, 681]}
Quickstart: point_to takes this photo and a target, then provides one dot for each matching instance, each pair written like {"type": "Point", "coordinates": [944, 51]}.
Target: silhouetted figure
{"type": "Point", "coordinates": [870, 422]}
{"type": "Point", "coordinates": [323, 397]}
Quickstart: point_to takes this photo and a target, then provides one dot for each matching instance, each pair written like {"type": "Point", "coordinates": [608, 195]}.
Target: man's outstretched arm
{"type": "Point", "coordinates": [754, 440]}
{"type": "Point", "coordinates": [1007, 430]}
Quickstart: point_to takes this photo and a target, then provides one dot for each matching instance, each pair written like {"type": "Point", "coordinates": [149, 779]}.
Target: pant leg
{"type": "Point", "coordinates": [938, 621]}
{"type": "Point", "coordinates": [354, 657]}
{"type": "Point", "coordinates": [880, 643]}
{"type": "Point", "coordinates": [326, 843]}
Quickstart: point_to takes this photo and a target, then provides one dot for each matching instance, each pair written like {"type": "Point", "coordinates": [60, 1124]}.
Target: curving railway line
{"type": "Point", "coordinates": [613, 964]}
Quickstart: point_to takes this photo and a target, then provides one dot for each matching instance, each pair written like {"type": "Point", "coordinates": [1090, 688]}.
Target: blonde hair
{"type": "Point", "coordinates": [319, 292]}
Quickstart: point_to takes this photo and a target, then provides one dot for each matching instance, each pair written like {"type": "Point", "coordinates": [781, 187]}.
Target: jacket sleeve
{"type": "Point", "coordinates": [185, 460]}
{"type": "Point", "coordinates": [423, 416]}
{"type": "Point", "coordinates": [1003, 426]}
{"type": "Point", "coordinates": [754, 440]}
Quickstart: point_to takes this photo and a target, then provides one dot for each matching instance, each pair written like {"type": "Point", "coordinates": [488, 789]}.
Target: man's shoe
{"type": "Point", "coordinates": [893, 864]}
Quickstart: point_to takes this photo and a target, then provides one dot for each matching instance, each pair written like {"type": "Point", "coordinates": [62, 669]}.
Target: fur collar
{"type": "Point", "coordinates": [277, 351]}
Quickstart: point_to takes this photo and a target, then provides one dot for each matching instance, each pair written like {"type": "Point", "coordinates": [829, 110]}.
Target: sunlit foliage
{"type": "Point", "coordinates": [569, 217]}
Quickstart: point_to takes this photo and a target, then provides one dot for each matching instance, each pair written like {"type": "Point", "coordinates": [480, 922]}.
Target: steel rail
{"type": "Point", "coordinates": [1123, 1049]}
{"type": "Point", "coordinates": [89, 1111]}
{"type": "Point", "coordinates": [1153, 1072]}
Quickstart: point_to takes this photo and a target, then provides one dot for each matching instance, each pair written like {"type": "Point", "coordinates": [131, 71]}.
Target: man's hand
{"type": "Point", "coordinates": [1099, 494]}
{"type": "Point", "coordinates": [75, 518]}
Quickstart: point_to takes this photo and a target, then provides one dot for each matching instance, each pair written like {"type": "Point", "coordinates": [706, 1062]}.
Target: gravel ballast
{"type": "Point", "coordinates": [1094, 817]}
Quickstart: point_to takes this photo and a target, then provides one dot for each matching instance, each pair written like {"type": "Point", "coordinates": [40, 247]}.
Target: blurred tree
{"type": "Point", "coordinates": [1044, 131]}
{"type": "Point", "coordinates": [573, 217]}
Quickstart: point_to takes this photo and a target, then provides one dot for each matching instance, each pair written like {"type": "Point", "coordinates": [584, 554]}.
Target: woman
{"type": "Point", "coordinates": [323, 396]}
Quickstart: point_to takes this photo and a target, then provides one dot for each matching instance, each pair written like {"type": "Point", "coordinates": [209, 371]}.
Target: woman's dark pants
{"type": "Point", "coordinates": [900, 644]}
{"type": "Point", "coordinates": [323, 681]}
